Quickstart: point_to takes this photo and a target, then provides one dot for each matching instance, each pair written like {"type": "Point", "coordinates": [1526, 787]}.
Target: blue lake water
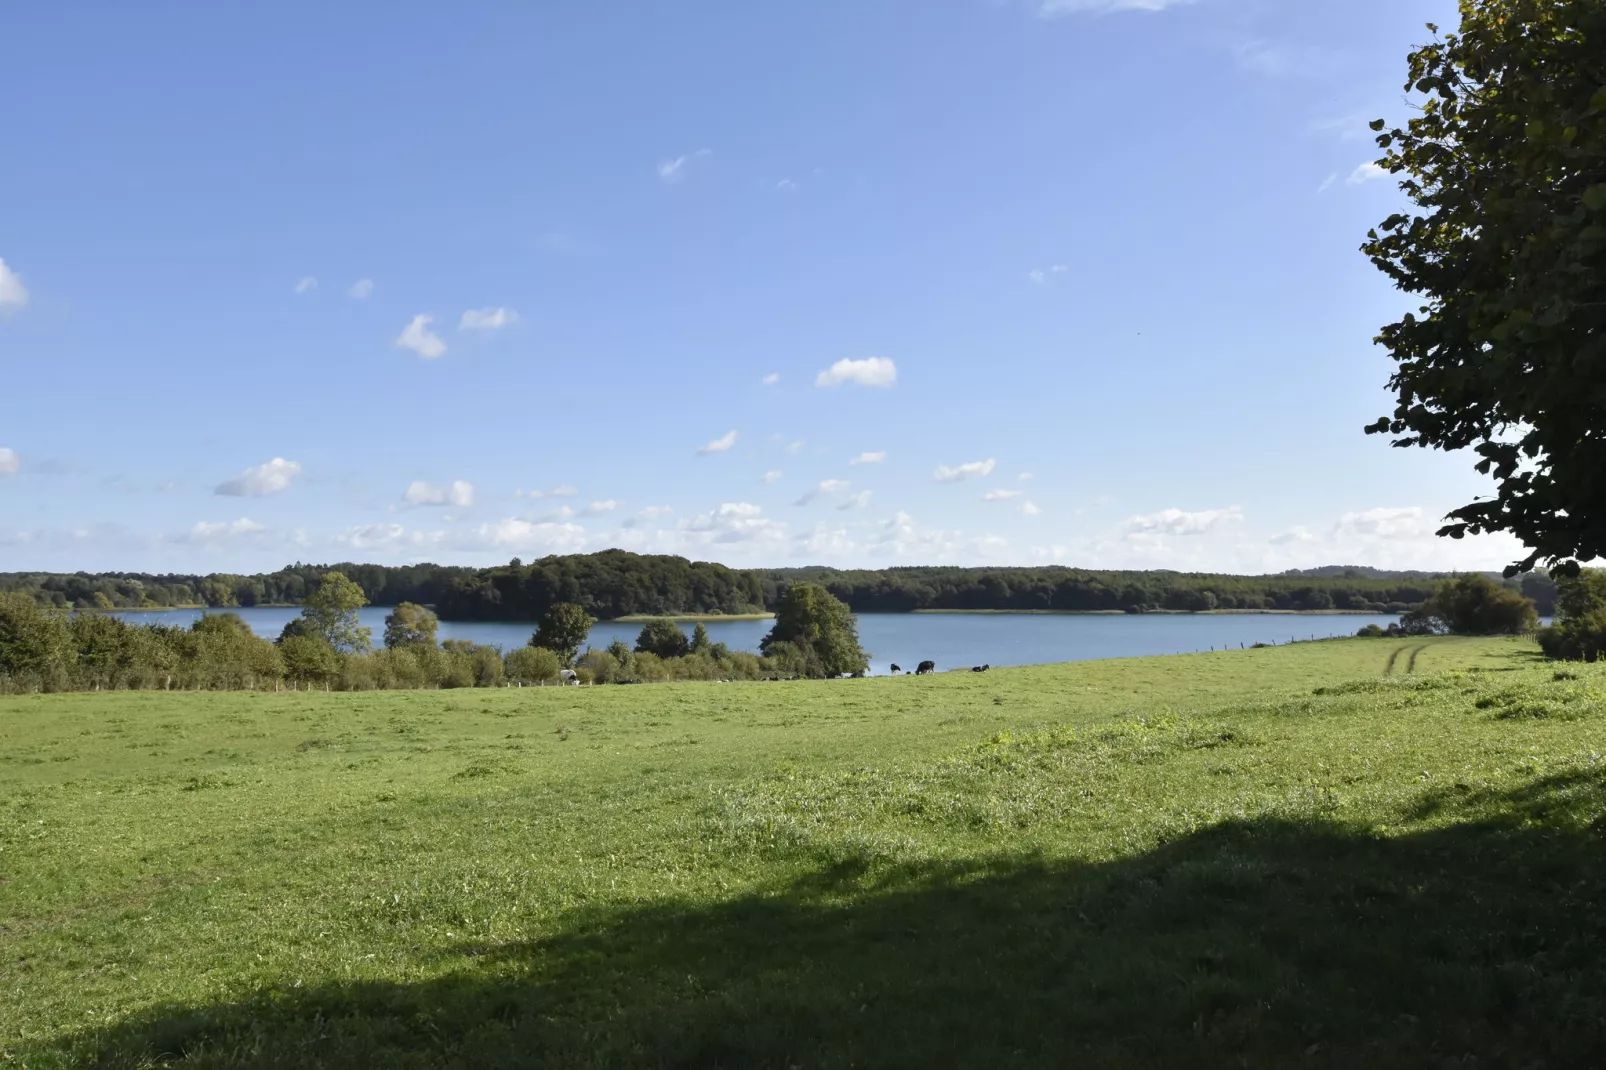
{"type": "Point", "coordinates": [952, 640]}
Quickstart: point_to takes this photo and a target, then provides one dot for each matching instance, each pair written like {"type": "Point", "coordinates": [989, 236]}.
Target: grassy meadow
{"type": "Point", "coordinates": [1358, 852]}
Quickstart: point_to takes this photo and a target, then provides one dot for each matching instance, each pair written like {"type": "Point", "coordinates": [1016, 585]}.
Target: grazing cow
{"type": "Point", "coordinates": [568, 676]}
{"type": "Point", "coordinates": [925, 667]}
{"type": "Point", "coordinates": [896, 670]}
{"type": "Point", "coordinates": [980, 668]}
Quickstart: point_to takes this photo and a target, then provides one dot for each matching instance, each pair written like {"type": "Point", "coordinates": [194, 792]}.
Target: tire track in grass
{"type": "Point", "coordinates": [1410, 666]}
{"type": "Point", "coordinates": [1388, 670]}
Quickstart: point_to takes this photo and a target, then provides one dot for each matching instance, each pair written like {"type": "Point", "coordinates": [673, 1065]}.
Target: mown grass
{"type": "Point", "coordinates": [1298, 855]}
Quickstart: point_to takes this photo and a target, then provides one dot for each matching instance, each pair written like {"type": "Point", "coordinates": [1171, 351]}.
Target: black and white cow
{"type": "Point", "coordinates": [925, 667]}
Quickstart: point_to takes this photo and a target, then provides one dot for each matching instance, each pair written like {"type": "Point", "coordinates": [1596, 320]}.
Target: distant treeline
{"type": "Point", "coordinates": [615, 583]}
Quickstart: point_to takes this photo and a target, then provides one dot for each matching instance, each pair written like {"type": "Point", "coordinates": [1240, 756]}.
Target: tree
{"type": "Point", "coordinates": [308, 658]}
{"type": "Point", "coordinates": [1579, 633]}
{"type": "Point", "coordinates": [531, 665]}
{"type": "Point", "coordinates": [1506, 162]}
{"type": "Point", "coordinates": [331, 610]}
{"type": "Point", "coordinates": [410, 624]}
{"type": "Point", "coordinates": [819, 625]}
{"type": "Point", "coordinates": [35, 644]}
{"type": "Point", "coordinates": [1476, 605]}
{"type": "Point", "coordinates": [663, 637]}
{"type": "Point", "coordinates": [562, 629]}
{"type": "Point", "coordinates": [699, 639]}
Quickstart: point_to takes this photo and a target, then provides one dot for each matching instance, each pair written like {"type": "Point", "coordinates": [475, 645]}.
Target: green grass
{"type": "Point", "coordinates": [1360, 852]}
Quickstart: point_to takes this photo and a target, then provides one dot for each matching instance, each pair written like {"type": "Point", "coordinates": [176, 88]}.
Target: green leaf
{"type": "Point", "coordinates": [1378, 124]}
{"type": "Point", "coordinates": [1595, 197]}
{"type": "Point", "coordinates": [1598, 101]}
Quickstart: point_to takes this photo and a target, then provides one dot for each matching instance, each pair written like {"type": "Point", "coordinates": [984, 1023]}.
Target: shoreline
{"type": "Point", "coordinates": [1145, 613]}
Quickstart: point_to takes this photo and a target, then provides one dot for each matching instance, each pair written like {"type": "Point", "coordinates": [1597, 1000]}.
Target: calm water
{"type": "Point", "coordinates": [950, 639]}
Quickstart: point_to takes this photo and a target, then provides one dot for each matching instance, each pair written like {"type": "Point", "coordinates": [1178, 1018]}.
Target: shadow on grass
{"type": "Point", "coordinates": [1248, 944]}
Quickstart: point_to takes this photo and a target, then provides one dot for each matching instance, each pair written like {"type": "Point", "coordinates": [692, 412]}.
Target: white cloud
{"type": "Point", "coordinates": [1178, 522]}
{"type": "Point", "coordinates": [1041, 276]}
{"type": "Point", "coordinates": [487, 319]}
{"type": "Point", "coordinates": [825, 486]}
{"type": "Point", "coordinates": [361, 290]}
{"type": "Point", "coordinates": [772, 475]}
{"type": "Point", "coordinates": [1275, 59]}
{"type": "Point", "coordinates": [1029, 508]}
{"type": "Point", "coordinates": [871, 371]}
{"type": "Point", "coordinates": [459, 494]}
{"type": "Point", "coordinates": [653, 512]}
{"type": "Point", "coordinates": [719, 445]}
{"type": "Point", "coordinates": [562, 512]}
{"type": "Point", "coordinates": [598, 508]}
{"type": "Point", "coordinates": [563, 490]}
{"type": "Point", "coordinates": [734, 522]}
{"type": "Point", "coordinates": [772, 378]}
{"type": "Point", "coordinates": [307, 284]}
{"type": "Point", "coordinates": [516, 534]}
{"type": "Point", "coordinates": [1366, 172]}
{"type": "Point", "coordinates": [794, 447]}
{"type": "Point", "coordinates": [212, 531]}
{"type": "Point", "coordinates": [786, 185]}
{"type": "Point", "coordinates": [1384, 523]}
{"type": "Point", "coordinates": [420, 339]}
{"type": "Point", "coordinates": [1050, 9]}
{"type": "Point", "coordinates": [9, 462]}
{"type": "Point", "coordinates": [1293, 535]}
{"type": "Point", "coordinates": [856, 501]}
{"type": "Point", "coordinates": [1025, 476]}
{"type": "Point", "coordinates": [370, 537]}
{"type": "Point", "coordinates": [944, 474]}
{"type": "Point", "coordinates": [261, 480]}
{"type": "Point", "coordinates": [1001, 495]}
{"type": "Point", "coordinates": [1327, 183]}
{"type": "Point", "coordinates": [13, 294]}
{"type": "Point", "coordinates": [676, 169]}
{"type": "Point", "coordinates": [869, 458]}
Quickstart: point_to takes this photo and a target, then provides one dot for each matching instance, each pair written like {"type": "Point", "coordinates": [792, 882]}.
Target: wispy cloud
{"type": "Point", "coordinates": [487, 319]}
{"type": "Point", "coordinates": [420, 339]}
{"type": "Point", "coordinates": [772, 475]}
{"type": "Point", "coordinates": [1366, 172]}
{"type": "Point", "coordinates": [944, 474]}
{"type": "Point", "coordinates": [1178, 522]}
{"type": "Point", "coordinates": [211, 531]}
{"type": "Point", "coordinates": [795, 446]}
{"type": "Point", "coordinates": [306, 285]}
{"type": "Point", "coordinates": [10, 463]}
{"type": "Point", "coordinates": [1050, 9]}
{"type": "Point", "coordinates": [772, 378]}
{"type": "Point", "coordinates": [1029, 508]}
{"type": "Point", "coordinates": [1001, 495]}
{"type": "Point", "coordinates": [1327, 183]}
{"type": "Point", "coordinates": [871, 371]}
{"type": "Point", "coordinates": [734, 522]}
{"type": "Point", "coordinates": [673, 170]}
{"type": "Point", "coordinates": [719, 445]}
{"type": "Point", "coordinates": [1042, 276]}
{"type": "Point", "coordinates": [600, 508]}
{"type": "Point", "coordinates": [260, 480]}
{"type": "Point", "coordinates": [562, 490]}
{"type": "Point", "coordinates": [856, 501]}
{"type": "Point", "coordinates": [786, 185]}
{"type": "Point", "coordinates": [875, 457]}
{"type": "Point", "coordinates": [1025, 477]}
{"type": "Point", "coordinates": [459, 493]}
{"type": "Point", "coordinates": [1276, 59]}
{"type": "Point", "coordinates": [13, 294]}
{"type": "Point", "coordinates": [361, 290]}
{"type": "Point", "coordinates": [825, 486]}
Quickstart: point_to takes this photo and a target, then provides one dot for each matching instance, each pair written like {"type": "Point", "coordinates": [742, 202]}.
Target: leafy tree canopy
{"type": "Point", "coordinates": [562, 629]}
{"type": "Point", "coordinates": [822, 627]}
{"type": "Point", "coordinates": [410, 624]}
{"type": "Point", "coordinates": [1477, 605]}
{"type": "Point", "coordinates": [331, 610]}
{"type": "Point", "coordinates": [1506, 161]}
{"type": "Point", "coordinates": [664, 638]}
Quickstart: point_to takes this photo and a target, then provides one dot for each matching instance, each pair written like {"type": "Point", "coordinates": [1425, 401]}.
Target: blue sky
{"type": "Point", "coordinates": [855, 283]}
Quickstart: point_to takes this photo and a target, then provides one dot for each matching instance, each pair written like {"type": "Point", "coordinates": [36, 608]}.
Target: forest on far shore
{"type": "Point", "coordinates": [617, 583]}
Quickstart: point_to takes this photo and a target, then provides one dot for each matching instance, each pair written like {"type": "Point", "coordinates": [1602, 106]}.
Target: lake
{"type": "Point", "coordinates": [952, 640]}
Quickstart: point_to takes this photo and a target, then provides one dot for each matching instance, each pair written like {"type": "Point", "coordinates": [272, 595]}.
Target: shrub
{"type": "Point", "coordinates": [603, 666]}
{"type": "Point", "coordinates": [1476, 605]}
{"type": "Point", "coordinates": [1579, 633]}
{"type": "Point", "coordinates": [662, 637]}
{"type": "Point", "coordinates": [531, 665]}
{"type": "Point", "coordinates": [821, 628]}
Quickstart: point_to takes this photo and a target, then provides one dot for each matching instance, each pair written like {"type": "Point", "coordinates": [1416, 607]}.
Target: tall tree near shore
{"type": "Point", "coordinates": [820, 625]}
{"type": "Point", "coordinates": [410, 624]}
{"type": "Point", "coordinates": [562, 629]}
{"type": "Point", "coordinates": [1506, 161]}
{"type": "Point", "coordinates": [331, 610]}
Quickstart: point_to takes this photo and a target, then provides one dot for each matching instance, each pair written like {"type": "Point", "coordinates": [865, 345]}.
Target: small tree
{"type": "Point", "coordinates": [699, 639]}
{"type": "Point", "coordinates": [1579, 633]}
{"type": "Point", "coordinates": [35, 645]}
{"type": "Point", "coordinates": [331, 610]}
{"type": "Point", "coordinates": [1476, 605]}
{"type": "Point", "coordinates": [662, 637]}
{"type": "Point", "coordinates": [562, 629]}
{"type": "Point", "coordinates": [821, 626]}
{"type": "Point", "coordinates": [308, 659]}
{"type": "Point", "coordinates": [531, 665]}
{"type": "Point", "coordinates": [410, 624]}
